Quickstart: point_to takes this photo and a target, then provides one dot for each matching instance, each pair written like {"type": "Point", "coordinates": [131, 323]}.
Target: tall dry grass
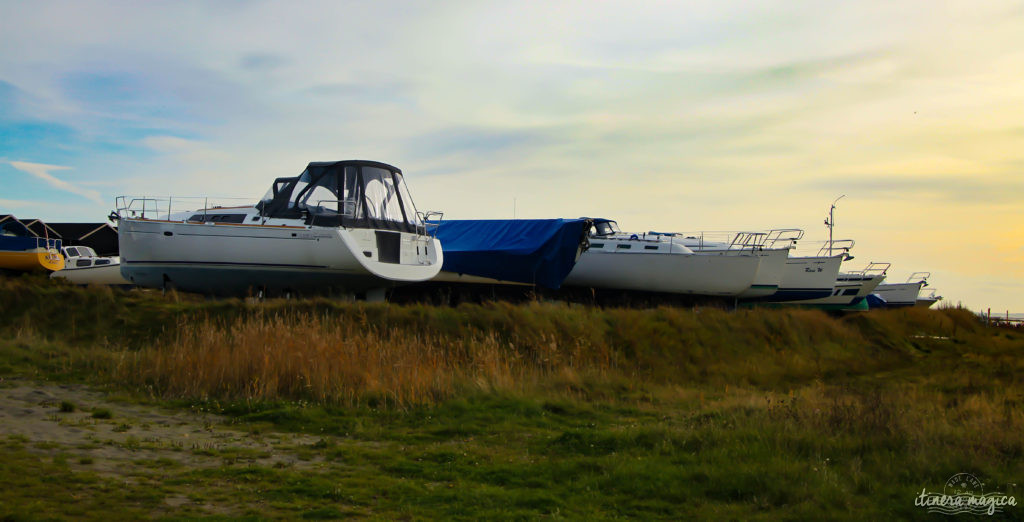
{"type": "Point", "coordinates": [329, 351]}
{"type": "Point", "coordinates": [402, 356]}
{"type": "Point", "coordinates": [316, 358]}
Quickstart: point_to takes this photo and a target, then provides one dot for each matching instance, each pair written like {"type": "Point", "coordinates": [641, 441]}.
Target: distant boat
{"type": "Point", "coordinates": [853, 287]}
{"type": "Point", "coordinates": [895, 295]}
{"type": "Point", "coordinates": [772, 247]}
{"type": "Point", "coordinates": [21, 250]}
{"type": "Point", "coordinates": [83, 267]}
{"type": "Point", "coordinates": [811, 277]}
{"type": "Point", "coordinates": [660, 262]}
{"type": "Point", "coordinates": [927, 298]}
{"type": "Point", "coordinates": [344, 226]}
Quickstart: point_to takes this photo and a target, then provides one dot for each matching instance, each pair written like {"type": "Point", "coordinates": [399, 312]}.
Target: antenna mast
{"type": "Point", "coordinates": [831, 223]}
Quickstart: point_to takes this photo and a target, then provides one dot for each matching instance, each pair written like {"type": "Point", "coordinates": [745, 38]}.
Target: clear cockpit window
{"type": "Point", "coordinates": [410, 208]}
{"type": "Point", "coordinates": [381, 195]}
{"type": "Point", "coordinates": [323, 197]}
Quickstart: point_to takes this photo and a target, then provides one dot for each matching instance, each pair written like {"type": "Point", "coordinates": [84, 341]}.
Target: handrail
{"type": "Point", "coordinates": [843, 246]}
{"type": "Point", "coordinates": [145, 207]}
{"type": "Point", "coordinates": [873, 268]}
{"type": "Point", "coordinates": [921, 277]}
{"type": "Point", "coordinates": [752, 240]}
{"type": "Point", "coordinates": [727, 238]}
{"type": "Point", "coordinates": [342, 204]}
{"type": "Point", "coordinates": [424, 218]}
{"type": "Point", "coordinates": [787, 236]}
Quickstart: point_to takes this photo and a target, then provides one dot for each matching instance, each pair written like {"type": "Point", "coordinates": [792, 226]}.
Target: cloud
{"type": "Point", "coordinates": [18, 203]}
{"type": "Point", "coordinates": [263, 61]}
{"type": "Point", "coordinates": [949, 189]}
{"type": "Point", "coordinates": [42, 171]}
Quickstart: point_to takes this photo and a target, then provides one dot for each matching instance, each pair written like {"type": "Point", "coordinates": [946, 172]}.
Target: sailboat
{"type": "Point", "coordinates": [660, 262]}
{"type": "Point", "coordinates": [338, 227]}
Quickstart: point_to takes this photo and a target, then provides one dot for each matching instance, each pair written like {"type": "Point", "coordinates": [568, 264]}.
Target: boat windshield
{"type": "Point", "coordinates": [606, 228]}
{"type": "Point", "coordinates": [355, 194]}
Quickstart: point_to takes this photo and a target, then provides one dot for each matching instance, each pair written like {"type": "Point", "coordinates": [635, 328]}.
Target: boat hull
{"type": "Point", "coordinates": [93, 275]}
{"type": "Point", "coordinates": [713, 274]}
{"type": "Point", "coordinates": [898, 295]}
{"type": "Point", "coordinates": [226, 259]}
{"type": "Point", "coordinates": [848, 292]}
{"type": "Point", "coordinates": [36, 259]}
{"type": "Point", "coordinates": [807, 278]}
{"type": "Point", "coordinates": [770, 271]}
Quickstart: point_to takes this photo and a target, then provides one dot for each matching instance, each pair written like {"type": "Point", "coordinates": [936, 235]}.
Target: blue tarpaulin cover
{"type": "Point", "coordinates": [876, 301]}
{"type": "Point", "coordinates": [534, 251]}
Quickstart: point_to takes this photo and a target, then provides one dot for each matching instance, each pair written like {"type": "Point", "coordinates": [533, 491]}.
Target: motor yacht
{"type": "Point", "coordinates": [83, 267]}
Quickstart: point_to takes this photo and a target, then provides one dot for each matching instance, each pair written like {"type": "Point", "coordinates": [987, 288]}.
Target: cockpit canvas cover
{"type": "Point", "coordinates": [533, 251]}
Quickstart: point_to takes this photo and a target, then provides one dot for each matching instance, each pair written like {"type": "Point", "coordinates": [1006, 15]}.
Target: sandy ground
{"type": "Point", "coordinates": [136, 438]}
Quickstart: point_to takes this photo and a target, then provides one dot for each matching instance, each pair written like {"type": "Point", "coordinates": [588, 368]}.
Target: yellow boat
{"type": "Point", "coordinates": [22, 251]}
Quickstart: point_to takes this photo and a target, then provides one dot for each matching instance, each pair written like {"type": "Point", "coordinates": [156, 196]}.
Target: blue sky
{"type": "Point", "coordinates": [663, 115]}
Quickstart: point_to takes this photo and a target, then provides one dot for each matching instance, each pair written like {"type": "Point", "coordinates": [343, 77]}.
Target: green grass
{"type": "Point", "coordinates": [665, 414]}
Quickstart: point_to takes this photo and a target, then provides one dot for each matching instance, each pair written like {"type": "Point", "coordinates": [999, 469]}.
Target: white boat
{"type": "Point", "coordinates": [898, 295]}
{"type": "Point", "coordinates": [772, 247]}
{"type": "Point", "coordinates": [339, 227]}
{"type": "Point", "coordinates": [927, 298]}
{"type": "Point", "coordinates": [851, 288]}
{"type": "Point", "coordinates": [83, 267]}
{"type": "Point", "coordinates": [811, 277]}
{"type": "Point", "coordinates": [658, 262]}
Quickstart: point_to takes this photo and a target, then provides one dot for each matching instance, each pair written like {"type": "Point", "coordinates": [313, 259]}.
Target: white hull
{"type": "Point", "coordinates": [770, 270]}
{"type": "Point", "coordinates": [93, 275]}
{"type": "Point", "coordinates": [225, 258]}
{"type": "Point", "coordinates": [807, 278]}
{"type": "Point", "coordinates": [899, 294]}
{"type": "Point", "coordinates": [715, 274]}
{"type": "Point", "coordinates": [847, 291]}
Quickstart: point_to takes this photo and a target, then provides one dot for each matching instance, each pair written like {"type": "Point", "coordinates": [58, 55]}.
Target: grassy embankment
{"type": "Point", "coordinates": [530, 410]}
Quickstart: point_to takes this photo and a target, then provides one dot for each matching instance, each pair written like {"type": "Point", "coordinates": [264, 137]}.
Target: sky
{"type": "Point", "coordinates": [684, 116]}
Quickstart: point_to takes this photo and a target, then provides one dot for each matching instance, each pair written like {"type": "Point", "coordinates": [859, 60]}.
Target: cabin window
{"type": "Point", "coordinates": [83, 262]}
{"type": "Point", "coordinates": [624, 247]}
{"type": "Point", "coordinates": [597, 245]}
{"type": "Point", "coordinates": [102, 261]}
{"type": "Point", "coordinates": [72, 252]}
{"type": "Point", "coordinates": [218, 218]}
{"type": "Point", "coordinates": [650, 247]}
{"type": "Point", "coordinates": [850, 291]}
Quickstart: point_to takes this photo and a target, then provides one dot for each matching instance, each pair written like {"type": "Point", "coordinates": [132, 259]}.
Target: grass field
{"type": "Point", "coordinates": [146, 405]}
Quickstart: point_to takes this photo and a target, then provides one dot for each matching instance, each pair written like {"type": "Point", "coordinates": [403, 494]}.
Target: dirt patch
{"type": "Point", "coordinates": [134, 435]}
